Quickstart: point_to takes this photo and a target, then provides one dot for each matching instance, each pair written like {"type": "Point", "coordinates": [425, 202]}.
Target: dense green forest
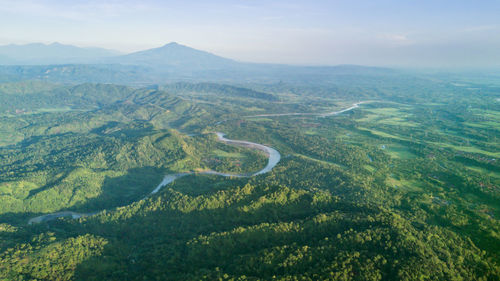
{"type": "Point", "coordinates": [404, 187]}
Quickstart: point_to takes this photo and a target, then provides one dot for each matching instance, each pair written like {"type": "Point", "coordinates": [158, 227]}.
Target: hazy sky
{"type": "Point", "coordinates": [388, 32]}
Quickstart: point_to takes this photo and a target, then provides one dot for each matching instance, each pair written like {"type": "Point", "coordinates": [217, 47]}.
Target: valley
{"type": "Point", "coordinates": [374, 188]}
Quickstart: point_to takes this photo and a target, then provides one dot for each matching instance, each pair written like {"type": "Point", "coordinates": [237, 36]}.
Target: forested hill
{"type": "Point", "coordinates": [217, 89]}
{"type": "Point", "coordinates": [33, 96]}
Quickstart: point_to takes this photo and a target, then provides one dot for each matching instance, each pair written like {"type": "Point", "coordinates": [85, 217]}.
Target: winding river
{"type": "Point", "coordinates": [273, 158]}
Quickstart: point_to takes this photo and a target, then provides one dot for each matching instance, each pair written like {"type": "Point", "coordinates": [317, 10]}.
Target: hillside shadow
{"type": "Point", "coordinates": [124, 190]}
{"type": "Point", "coordinates": [135, 129]}
{"type": "Point", "coordinates": [133, 186]}
{"type": "Point", "coordinates": [48, 186]}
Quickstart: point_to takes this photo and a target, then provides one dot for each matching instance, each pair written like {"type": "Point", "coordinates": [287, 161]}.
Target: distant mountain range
{"type": "Point", "coordinates": [171, 62]}
{"type": "Point", "coordinates": [172, 54]}
{"type": "Point", "coordinates": [55, 53]}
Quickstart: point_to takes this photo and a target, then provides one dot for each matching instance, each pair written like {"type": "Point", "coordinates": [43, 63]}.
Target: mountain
{"type": "Point", "coordinates": [175, 55]}
{"type": "Point", "coordinates": [55, 53]}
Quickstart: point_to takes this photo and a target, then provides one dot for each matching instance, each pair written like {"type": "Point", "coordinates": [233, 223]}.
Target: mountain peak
{"type": "Point", "coordinates": [175, 54]}
{"type": "Point", "coordinates": [172, 44]}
